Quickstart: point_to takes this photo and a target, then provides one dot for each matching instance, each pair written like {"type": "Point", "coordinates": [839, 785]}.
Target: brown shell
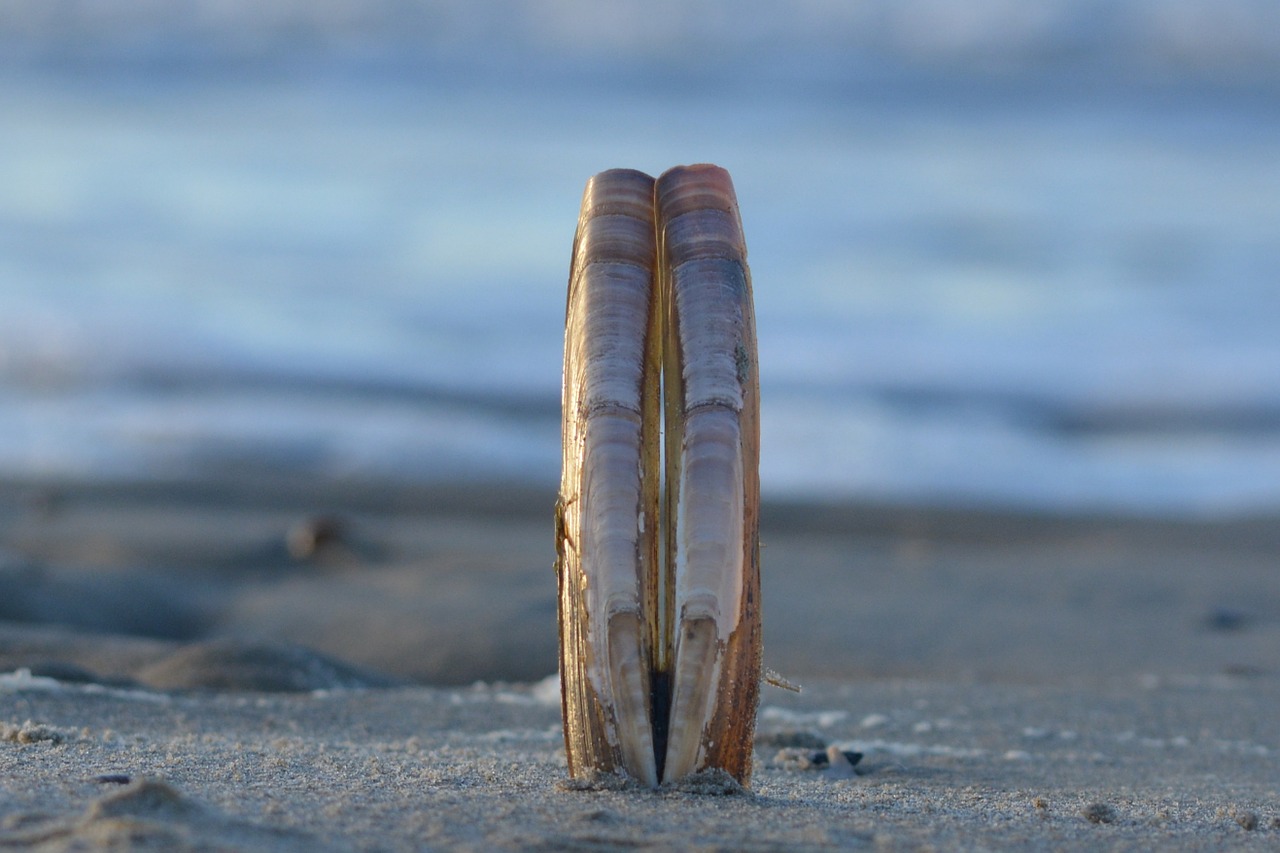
{"type": "Point", "coordinates": [659, 649]}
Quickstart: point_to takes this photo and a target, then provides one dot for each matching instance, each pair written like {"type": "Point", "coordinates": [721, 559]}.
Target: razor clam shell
{"type": "Point", "coordinates": [607, 528]}
{"type": "Point", "coordinates": [712, 419]}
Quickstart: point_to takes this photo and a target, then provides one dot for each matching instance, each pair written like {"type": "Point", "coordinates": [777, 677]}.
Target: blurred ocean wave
{"type": "Point", "coordinates": [1004, 252]}
{"type": "Point", "coordinates": [1226, 40]}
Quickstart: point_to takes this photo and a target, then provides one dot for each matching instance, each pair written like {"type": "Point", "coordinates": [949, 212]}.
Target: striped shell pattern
{"type": "Point", "coordinates": [658, 554]}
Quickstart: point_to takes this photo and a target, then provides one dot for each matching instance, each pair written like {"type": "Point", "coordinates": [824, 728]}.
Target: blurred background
{"type": "Point", "coordinates": [1006, 253]}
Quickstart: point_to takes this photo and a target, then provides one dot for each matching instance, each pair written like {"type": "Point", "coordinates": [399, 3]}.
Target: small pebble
{"type": "Point", "coordinates": [832, 758]}
{"type": "Point", "coordinates": [794, 758]}
{"type": "Point", "coordinates": [309, 537]}
{"type": "Point", "coordinates": [1099, 813]}
{"type": "Point", "coordinates": [1248, 820]}
{"type": "Point", "coordinates": [840, 763]}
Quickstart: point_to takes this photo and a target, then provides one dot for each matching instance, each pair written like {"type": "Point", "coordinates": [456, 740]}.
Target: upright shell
{"type": "Point", "coordinates": [712, 403]}
{"type": "Point", "coordinates": [608, 508]}
{"type": "Point", "coordinates": [659, 599]}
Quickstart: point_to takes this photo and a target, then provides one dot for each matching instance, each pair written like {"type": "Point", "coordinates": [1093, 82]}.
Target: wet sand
{"type": "Point", "coordinates": [261, 663]}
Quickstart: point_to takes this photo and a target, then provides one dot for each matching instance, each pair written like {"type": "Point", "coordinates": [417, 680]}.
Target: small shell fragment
{"type": "Point", "coordinates": [658, 553]}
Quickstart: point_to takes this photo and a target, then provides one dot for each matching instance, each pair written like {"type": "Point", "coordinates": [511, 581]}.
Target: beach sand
{"type": "Point", "coordinates": [260, 663]}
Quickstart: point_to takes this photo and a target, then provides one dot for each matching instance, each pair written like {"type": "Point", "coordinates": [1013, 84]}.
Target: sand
{"type": "Point", "coordinates": [268, 664]}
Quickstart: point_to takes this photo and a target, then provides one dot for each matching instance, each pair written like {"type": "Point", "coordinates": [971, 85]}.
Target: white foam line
{"type": "Point", "coordinates": [23, 680]}
{"type": "Point", "coordinates": [821, 719]}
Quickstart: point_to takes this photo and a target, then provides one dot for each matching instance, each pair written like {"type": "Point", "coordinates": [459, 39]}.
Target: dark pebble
{"type": "Point", "coordinates": [112, 779]}
{"type": "Point", "coordinates": [309, 537]}
{"type": "Point", "coordinates": [1099, 813]}
{"type": "Point", "coordinates": [820, 759]}
{"type": "Point", "coordinates": [1227, 619]}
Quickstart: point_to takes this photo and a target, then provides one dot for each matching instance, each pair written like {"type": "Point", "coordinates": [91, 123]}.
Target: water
{"type": "Point", "coordinates": [1001, 256]}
